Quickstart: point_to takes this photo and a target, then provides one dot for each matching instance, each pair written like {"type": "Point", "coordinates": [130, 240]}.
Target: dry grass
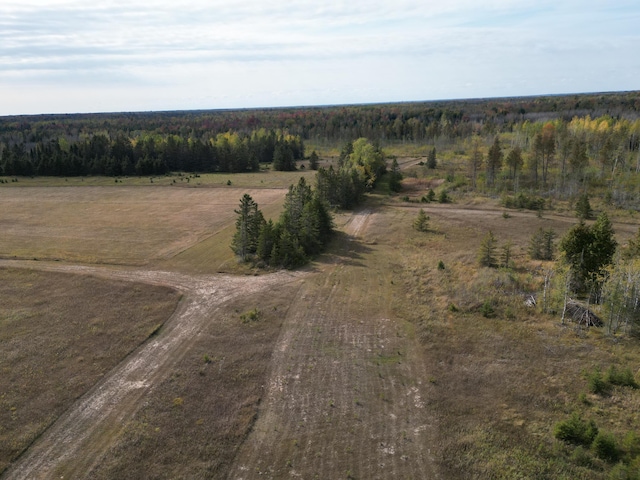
{"type": "Point", "coordinates": [54, 344]}
{"type": "Point", "coordinates": [380, 365]}
{"type": "Point", "coordinates": [193, 423]}
{"type": "Point", "coordinates": [503, 382]}
{"type": "Point", "coordinates": [119, 225]}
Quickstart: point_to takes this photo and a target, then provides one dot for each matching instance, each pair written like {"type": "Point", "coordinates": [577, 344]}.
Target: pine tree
{"type": "Point", "coordinates": [421, 223]}
{"type": "Point", "coordinates": [248, 224]}
{"type": "Point", "coordinates": [583, 207]}
{"type": "Point", "coordinates": [487, 252]}
{"type": "Point", "coordinates": [431, 159]}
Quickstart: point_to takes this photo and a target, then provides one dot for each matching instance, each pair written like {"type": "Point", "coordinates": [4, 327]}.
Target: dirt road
{"type": "Point", "coordinates": [345, 398]}
{"type": "Point", "coordinates": [86, 431]}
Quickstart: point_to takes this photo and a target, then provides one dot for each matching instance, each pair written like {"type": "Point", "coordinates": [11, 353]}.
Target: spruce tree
{"type": "Point", "coordinates": [487, 252]}
{"type": "Point", "coordinates": [583, 207]}
{"type": "Point", "coordinates": [421, 223]}
{"type": "Point", "coordinates": [431, 159]}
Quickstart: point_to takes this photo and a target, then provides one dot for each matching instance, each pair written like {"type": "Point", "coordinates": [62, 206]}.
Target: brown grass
{"type": "Point", "coordinates": [55, 344]}
{"type": "Point", "coordinates": [503, 382]}
{"type": "Point", "coordinates": [120, 225]}
{"type": "Point", "coordinates": [193, 423]}
{"type": "Point", "coordinates": [376, 365]}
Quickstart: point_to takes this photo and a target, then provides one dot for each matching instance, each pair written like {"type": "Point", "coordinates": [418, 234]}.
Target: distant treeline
{"type": "Point", "coordinates": [153, 154]}
{"type": "Point", "coordinates": [238, 140]}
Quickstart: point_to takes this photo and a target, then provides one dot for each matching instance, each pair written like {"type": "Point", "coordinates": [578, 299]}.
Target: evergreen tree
{"type": "Point", "coordinates": [541, 245]}
{"type": "Point", "coordinates": [283, 159]}
{"type": "Point", "coordinates": [431, 159]}
{"type": "Point", "coordinates": [487, 252]}
{"type": "Point", "coordinates": [583, 207]}
{"type": "Point", "coordinates": [421, 223]}
{"type": "Point", "coordinates": [514, 161]}
{"type": "Point", "coordinates": [266, 240]}
{"type": "Point", "coordinates": [505, 255]}
{"type": "Point", "coordinates": [313, 160]}
{"type": "Point", "coordinates": [494, 161]}
{"type": "Point", "coordinates": [588, 251]}
{"type": "Point", "coordinates": [248, 224]}
{"type": "Point", "coordinates": [395, 177]}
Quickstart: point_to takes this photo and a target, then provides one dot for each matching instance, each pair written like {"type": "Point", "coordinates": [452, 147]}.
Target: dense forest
{"type": "Point", "coordinates": [603, 128]}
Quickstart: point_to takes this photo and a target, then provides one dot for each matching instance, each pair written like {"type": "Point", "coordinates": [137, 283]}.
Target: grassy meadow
{"type": "Point", "coordinates": [395, 356]}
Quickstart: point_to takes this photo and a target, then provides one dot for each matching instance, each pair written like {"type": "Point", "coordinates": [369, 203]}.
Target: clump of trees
{"type": "Point", "coordinates": [302, 230]}
{"type": "Point", "coordinates": [360, 165]}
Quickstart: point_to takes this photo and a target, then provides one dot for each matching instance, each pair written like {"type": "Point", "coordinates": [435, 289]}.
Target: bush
{"type": "Point", "coordinates": [597, 384]}
{"type": "Point", "coordinates": [624, 472]}
{"type": "Point", "coordinates": [605, 447]}
{"type": "Point", "coordinates": [250, 316]}
{"type": "Point", "coordinates": [523, 201]}
{"type": "Point", "coordinates": [582, 457]}
{"type": "Point", "coordinates": [576, 431]}
{"type": "Point", "coordinates": [487, 310]}
{"type": "Point", "coordinates": [622, 378]}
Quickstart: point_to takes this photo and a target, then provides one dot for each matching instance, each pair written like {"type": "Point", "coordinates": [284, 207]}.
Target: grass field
{"type": "Point", "coordinates": [373, 362]}
{"type": "Point", "coordinates": [55, 344]}
{"type": "Point", "coordinates": [119, 225]}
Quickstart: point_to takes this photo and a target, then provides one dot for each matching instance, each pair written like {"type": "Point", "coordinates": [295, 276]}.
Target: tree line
{"type": "Point", "coordinates": [153, 154]}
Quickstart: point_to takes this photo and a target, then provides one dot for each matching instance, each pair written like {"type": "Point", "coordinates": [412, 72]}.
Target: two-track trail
{"type": "Point", "coordinates": [345, 397]}
{"type": "Point", "coordinates": [78, 439]}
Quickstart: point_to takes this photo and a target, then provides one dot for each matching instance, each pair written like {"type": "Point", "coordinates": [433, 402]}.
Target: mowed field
{"type": "Point", "coordinates": [372, 362]}
{"type": "Point", "coordinates": [120, 224]}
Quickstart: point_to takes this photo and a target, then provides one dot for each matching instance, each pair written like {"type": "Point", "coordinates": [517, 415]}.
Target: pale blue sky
{"type": "Point", "coordinates": [66, 56]}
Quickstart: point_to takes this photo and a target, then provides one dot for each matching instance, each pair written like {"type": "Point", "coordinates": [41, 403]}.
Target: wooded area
{"type": "Point", "coordinates": [564, 132]}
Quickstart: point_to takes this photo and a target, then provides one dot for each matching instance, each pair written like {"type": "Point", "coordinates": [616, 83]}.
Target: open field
{"type": "Point", "coordinates": [370, 363]}
{"type": "Point", "coordinates": [120, 225]}
{"type": "Point", "coordinates": [55, 345]}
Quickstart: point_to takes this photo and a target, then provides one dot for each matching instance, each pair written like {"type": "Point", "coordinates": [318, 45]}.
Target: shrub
{"type": "Point", "coordinates": [250, 316]}
{"type": "Point", "coordinates": [421, 223]}
{"type": "Point", "coordinates": [597, 384]}
{"type": "Point", "coordinates": [576, 431]}
{"type": "Point", "coordinates": [582, 457]}
{"type": "Point", "coordinates": [523, 201]}
{"type": "Point", "coordinates": [622, 378]}
{"type": "Point", "coordinates": [605, 447]}
{"type": "Point", "coordinates": [487, 310]}
{"type": "Point", "coordinates": [441, 265]}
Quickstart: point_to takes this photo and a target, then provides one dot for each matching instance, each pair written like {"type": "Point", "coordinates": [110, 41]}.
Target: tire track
{"type": "Point", "coordinates": [79, 438]}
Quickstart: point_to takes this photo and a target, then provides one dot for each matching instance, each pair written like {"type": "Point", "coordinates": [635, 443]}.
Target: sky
{"type": "Point", "coordinates": [71, 56]}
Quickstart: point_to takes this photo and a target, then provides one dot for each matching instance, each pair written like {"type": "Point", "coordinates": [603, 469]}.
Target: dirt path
{"type": "Point", "coordinates": [86, 431]}
{"type": "Point", "coordinates": [346, 397]}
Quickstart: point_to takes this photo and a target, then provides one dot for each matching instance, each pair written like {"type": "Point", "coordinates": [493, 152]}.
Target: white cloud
{"type": "Point", "coordinates": [310, 52]}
